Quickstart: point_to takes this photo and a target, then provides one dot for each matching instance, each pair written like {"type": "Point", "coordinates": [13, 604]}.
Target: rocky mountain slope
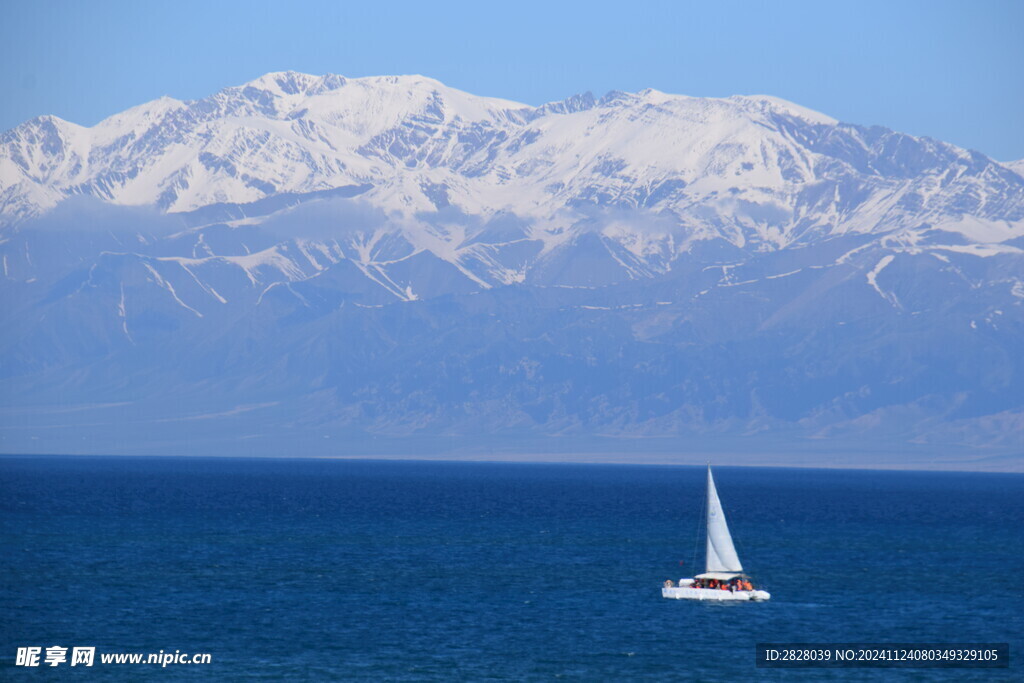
{"type": "Point", "coordinates": [391, 261]}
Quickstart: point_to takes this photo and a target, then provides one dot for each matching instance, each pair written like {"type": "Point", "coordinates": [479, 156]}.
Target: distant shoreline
{"type": "Point", "coordinates": [582, 459]}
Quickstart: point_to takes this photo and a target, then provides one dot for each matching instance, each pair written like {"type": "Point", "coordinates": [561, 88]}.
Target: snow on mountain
{"type": "Point", "coordinates": [391, 256]}
{"type": "Point", "coordinates": [1015, 166]}
{"type": "Point", "coordinates": [755, 170]}
{"type": "Point", "coordinates": [281, 132]}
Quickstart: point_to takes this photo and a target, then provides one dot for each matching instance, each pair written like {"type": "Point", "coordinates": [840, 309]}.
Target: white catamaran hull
{"type": "Point", "coordinates": [688, 593]}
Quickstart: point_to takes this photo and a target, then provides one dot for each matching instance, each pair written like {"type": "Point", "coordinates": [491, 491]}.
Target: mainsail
{"type": "Point", "coordinates": [721, 555]}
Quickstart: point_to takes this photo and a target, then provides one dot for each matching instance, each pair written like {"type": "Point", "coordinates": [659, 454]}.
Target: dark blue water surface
{"type": "Point", "coordinates": [468, 571]}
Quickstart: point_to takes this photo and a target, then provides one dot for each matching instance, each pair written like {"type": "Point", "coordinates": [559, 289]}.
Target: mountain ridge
{"type": "Point", "coordinates": [382, 147]}
{"type": "Point", "coordinates": [402, 259]}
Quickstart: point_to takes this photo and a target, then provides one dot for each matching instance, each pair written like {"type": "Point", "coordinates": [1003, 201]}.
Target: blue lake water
{"type": "Point", "coordinates": [315, 569]}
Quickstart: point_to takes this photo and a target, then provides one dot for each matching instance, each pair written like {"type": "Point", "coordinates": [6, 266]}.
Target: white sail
{"type": "Point", "coordinates": [721, 555]}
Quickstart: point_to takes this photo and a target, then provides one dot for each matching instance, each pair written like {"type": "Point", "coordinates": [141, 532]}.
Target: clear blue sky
{"type": "Point", "coordinates": [953, 70]}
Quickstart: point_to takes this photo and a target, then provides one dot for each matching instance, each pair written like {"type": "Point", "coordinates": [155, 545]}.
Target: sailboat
{"type": "Point", "coordinates": [723, 578]}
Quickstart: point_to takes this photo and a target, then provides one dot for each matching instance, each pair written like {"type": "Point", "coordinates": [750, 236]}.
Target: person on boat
{"type": "Point", "coordinates": [747, 586]}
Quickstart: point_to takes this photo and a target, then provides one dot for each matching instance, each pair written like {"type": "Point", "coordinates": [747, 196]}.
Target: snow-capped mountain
{"type": "Point", "coordinates": [399, 257]}
{"type": "Point", "coordinates": [747, 168]}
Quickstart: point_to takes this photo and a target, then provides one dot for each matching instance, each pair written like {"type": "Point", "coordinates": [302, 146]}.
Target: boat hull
{"type": "Point", "coordinates": [713, 594]}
